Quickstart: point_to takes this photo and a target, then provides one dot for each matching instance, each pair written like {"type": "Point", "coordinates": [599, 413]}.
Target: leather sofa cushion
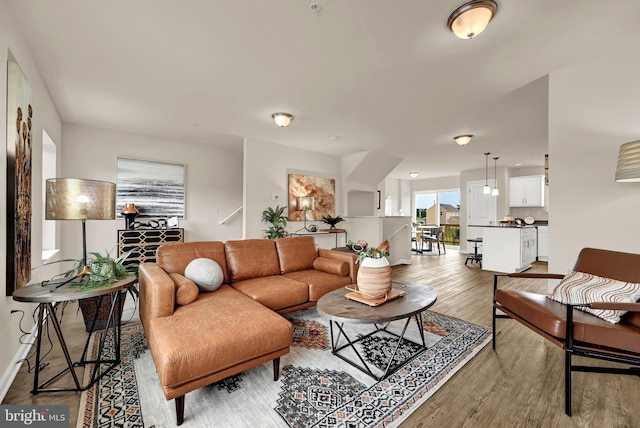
{"type": "Point", "coordinates": [275, 292]}
{"type": "Point", "coordinates": [186, 290]}
{"type": "Point", "coordinates": [296, 253]}
{"type": "Point", "coordinates": [333, 266]}
{"type": "Point", "coordinates": [319, 283]}
{"type": "Point", "coordinates": [174, 257]}
{"type": "Point", "coordinates": [240, 335]}
{"type": "Point", "coordinates": [549, 316]}
{"type": "Point", "coordinates": [251, 258]}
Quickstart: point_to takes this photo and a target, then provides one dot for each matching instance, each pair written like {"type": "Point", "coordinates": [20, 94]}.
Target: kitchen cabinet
{"type": "Point", "coordinates": [509, 249]}
{"type": "Point", "coordinates": [527, 191]}
{"type": "Point", "coordinates": [543, 243]}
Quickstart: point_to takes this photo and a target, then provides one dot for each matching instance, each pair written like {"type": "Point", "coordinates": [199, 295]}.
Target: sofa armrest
{"type": "Point", "coordinates": [350, 259]}
{"type": "Point", "coordinates": [157, 293]}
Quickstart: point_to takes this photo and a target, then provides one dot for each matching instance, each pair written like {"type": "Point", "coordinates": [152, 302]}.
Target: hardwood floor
{"type": "Point", "coordinates": [521, 384]}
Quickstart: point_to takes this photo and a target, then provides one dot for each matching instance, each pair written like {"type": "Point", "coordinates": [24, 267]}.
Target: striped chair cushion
{"type": "Point", "coordinates": [580, 287]}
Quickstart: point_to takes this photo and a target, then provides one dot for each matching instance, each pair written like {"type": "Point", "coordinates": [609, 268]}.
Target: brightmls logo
{"type": "Point", "coordinates": [34, 416]}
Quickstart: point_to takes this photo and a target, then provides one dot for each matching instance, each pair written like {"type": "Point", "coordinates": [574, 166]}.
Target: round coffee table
{"type": "Point", "coordinates": [340, 311]}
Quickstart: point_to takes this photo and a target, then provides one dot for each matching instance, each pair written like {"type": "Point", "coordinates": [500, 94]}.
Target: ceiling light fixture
{"type": "Point", "coordinates": [413, 174]}
{"type": "Point", "coordinates": [472, 18]}
{"type": "Point", "coordinates": [628, 169]}
{"type": "Point", "coordinates": [463, 140]}
{"type": "Point", "coordinates": [282, 119]}
{"type": "Point", "coordinates": [495, 191]}
{"type": "Point", "coordinates": [486, 189]}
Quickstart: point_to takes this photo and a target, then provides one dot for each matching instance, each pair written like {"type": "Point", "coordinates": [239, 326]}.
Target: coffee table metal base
{"type": "Point", "coordinates": [337, 347]}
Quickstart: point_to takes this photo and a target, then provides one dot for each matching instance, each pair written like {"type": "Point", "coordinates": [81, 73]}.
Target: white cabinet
{"type": "Point", "coordinates": [527, 191]}
{"type": "Point", "coordinates": [543, 243]}
{"type": "Point", "coordinates": [509, 249]}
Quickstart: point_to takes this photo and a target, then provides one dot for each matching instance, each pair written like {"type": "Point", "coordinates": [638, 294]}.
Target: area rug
{"type": "Point", "coordinates": [315, 389]}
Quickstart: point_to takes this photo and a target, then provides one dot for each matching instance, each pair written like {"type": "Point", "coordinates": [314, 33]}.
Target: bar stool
{"type": "Point", "coordinates": [476, 257]}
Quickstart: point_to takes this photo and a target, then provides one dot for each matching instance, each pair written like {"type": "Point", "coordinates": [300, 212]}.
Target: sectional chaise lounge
{"type": "Point", "coordinates": [197, 338]}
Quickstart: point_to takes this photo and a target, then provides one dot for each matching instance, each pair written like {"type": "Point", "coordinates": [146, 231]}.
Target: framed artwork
{"type": "Point", "coordinates": [323, 191]}
{"type": "Point", "coordinates": [156, 188]}
{"type": "Point", "coordinates": [19, 177]}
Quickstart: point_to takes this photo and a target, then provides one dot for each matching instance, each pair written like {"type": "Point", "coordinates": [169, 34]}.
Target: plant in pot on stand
{"type": "Point", "coordinates": [101, 271]}
{"type": "Point", "coordinates": [332, 221]}
{"type": "Point", "coordinates": [374, 274]}
{"type": "Point", "coordinates": [278, 222]}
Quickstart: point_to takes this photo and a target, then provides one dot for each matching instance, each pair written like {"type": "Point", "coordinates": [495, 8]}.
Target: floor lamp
{"type": "Point", "coordinates": [304, 204]}
{"type": "Point", "coordinates": [80, 199]}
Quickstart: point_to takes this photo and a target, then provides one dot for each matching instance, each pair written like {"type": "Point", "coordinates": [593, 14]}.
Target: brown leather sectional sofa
{"type": "Point", "coordinates": [239, 325]}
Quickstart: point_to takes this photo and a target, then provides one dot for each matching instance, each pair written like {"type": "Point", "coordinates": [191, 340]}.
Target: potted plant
{"type": "Point", "coordinates": [100, 271]}
{"type": "Point", "coordinates": [374, 274]}
{"type": "Point", "coordinates": [278, 222]}
{"type": "Point", "coordinates": [332, 221]}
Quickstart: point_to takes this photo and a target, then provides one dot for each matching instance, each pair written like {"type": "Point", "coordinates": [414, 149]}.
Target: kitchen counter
{"type": "Point", "coordinates": [509, 249]}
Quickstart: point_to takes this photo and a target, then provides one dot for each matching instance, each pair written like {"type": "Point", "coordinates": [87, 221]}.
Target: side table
{"type": "Point", "coordinates": [49, 294]}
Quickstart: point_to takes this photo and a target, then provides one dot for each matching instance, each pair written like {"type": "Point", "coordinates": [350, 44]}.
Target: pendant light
{"type": "Point", "coordinates": [486, 189]}
{"type": "Point", "coordinates": [495, 191]}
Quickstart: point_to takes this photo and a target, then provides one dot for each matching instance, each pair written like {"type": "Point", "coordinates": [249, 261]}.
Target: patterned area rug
{"type": "Point", "coordinates": [315, 389]}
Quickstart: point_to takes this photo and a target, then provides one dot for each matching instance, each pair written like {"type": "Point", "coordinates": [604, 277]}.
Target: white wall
{"type": "Point", "coordinates": [213, 183]}
{"type": "Point", "coordinates": [45, 117]}
{"type": "Point", "coordinates": [266, 166]}
{"type": "Point", "coordinates": [593, 109]}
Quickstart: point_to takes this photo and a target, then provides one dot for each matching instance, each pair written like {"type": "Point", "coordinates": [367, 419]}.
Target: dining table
{"type": "Point", "coordinates": [418, 233]}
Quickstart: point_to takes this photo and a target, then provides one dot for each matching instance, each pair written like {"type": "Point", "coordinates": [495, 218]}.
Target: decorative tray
{"type": "Point", "coordinates": [359, 297]}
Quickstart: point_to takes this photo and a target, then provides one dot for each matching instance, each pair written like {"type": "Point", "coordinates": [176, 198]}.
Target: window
{"type": "Point", "coordinates": [49, 163]}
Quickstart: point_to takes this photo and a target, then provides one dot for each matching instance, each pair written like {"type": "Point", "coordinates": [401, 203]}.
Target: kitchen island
{"type": "Point", "coordinates": [509, 249]}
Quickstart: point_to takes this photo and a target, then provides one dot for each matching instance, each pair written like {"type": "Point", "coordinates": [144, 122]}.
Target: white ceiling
{"type": "Point", "coordinates": [360, 75]}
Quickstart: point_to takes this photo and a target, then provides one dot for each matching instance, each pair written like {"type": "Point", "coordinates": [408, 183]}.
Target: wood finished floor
{"type": "Point", "coordinates": [521, 384]}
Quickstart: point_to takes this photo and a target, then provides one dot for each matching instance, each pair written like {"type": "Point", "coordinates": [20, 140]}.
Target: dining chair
{"type": "Point", "coordinates": [438, 238]}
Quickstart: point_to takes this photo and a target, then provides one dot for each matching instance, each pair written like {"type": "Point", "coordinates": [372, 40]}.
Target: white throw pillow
{"type": "Point", "coordinates": [206, 274]}
{"type": "Point", "coordinates": [580, 287]}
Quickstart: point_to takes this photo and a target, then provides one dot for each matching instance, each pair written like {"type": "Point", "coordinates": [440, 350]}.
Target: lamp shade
{"type": "Point", "coordinates": [282, 119]}
{"type": "Point", "coordinates": [628, 169]}
{"type": "Point", "coordinates": [472, 18]}
{"type": "Point", "coordinates": [305, 203]}
{"type": "Point", "coordinates": [79, 199]}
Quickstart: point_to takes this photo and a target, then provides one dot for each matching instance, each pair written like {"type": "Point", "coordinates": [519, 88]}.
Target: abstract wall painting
{"type": "Point", "coordinates": [156, 188]}
{"type": "Point", "coordinates": [323, 191]}
{"type": "Point", "coordinates": [19, 150]}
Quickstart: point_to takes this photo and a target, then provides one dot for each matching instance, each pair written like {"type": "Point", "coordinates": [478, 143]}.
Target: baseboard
{"type": "Point", "coordinates": [13, 369]}
{"type": "Point", "coordinates": [402, 262]}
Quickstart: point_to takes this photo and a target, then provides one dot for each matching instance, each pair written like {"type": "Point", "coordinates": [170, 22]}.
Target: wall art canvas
{"type": "Point", "coordinates": [156, 188]}
{"type": "Point", "coordinates": [19, 124]}
{"type": "Point", "coordinates": [323, 191]}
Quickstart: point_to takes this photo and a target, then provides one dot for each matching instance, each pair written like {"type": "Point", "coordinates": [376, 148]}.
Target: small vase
{"type": "Point", "coordinates": [374, 277]}
{"type": "Point", "coordinates": [129, 212]}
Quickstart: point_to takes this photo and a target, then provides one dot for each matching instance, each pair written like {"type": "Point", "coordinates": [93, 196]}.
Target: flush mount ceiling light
{"type": "Point", "coordinates": [282, 119]}
{"type": "Point", "coordinates": [628, 169]}
{"type": "Point", "coordinates": [463, 140]}
{"type": "Point", "coordinates": [472, 18]}
{"type": "Point", "coordinates": [413, 174]}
